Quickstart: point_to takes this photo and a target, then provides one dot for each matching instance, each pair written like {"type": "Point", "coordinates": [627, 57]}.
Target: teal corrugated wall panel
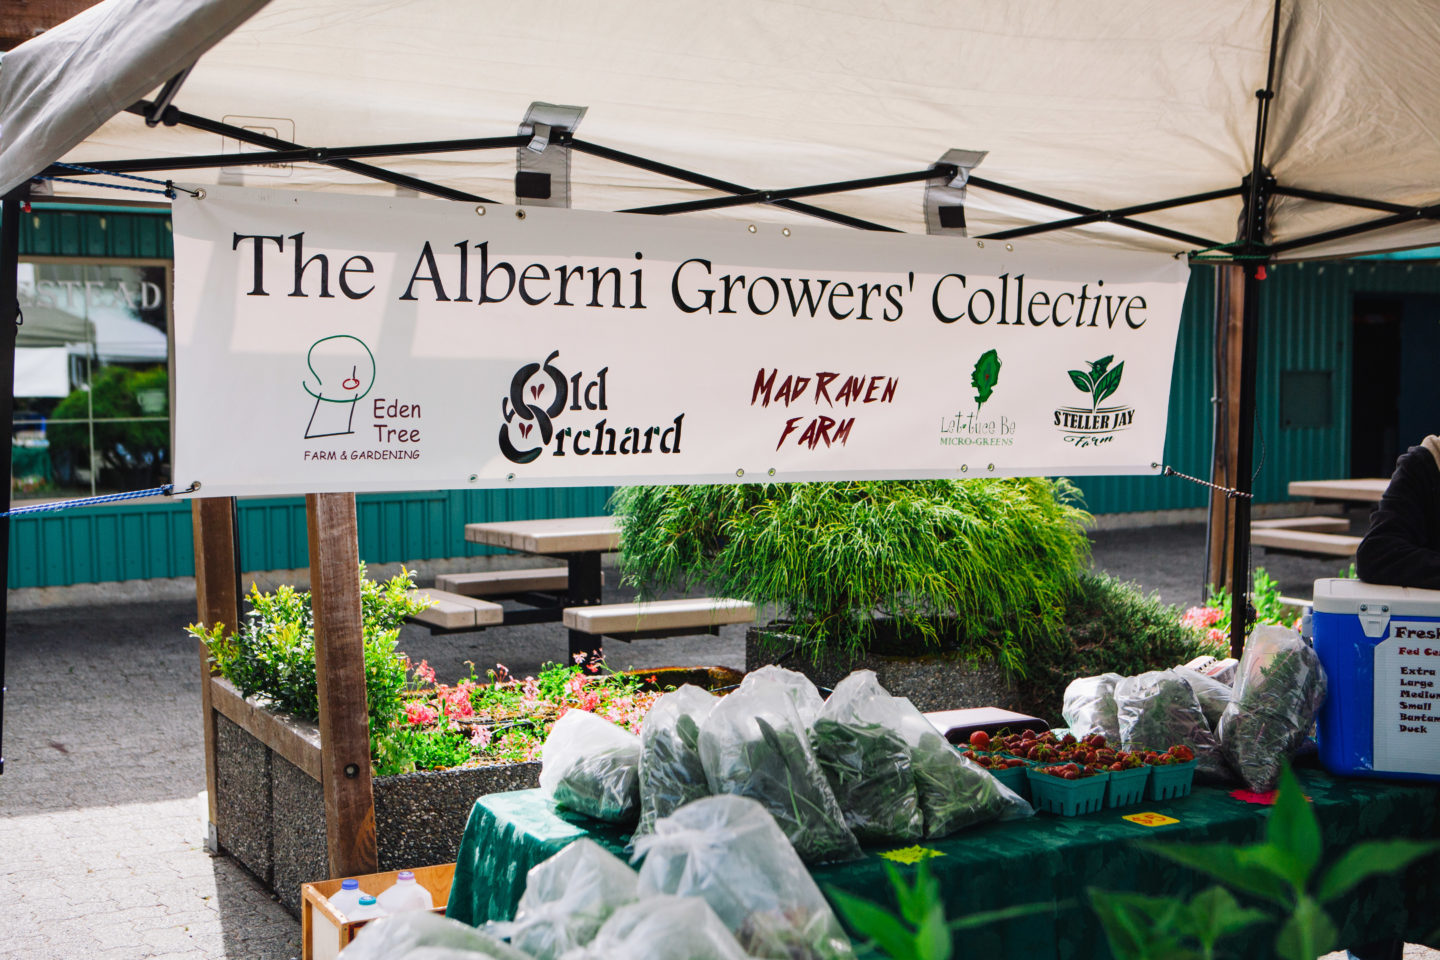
{"type": "Point", "coordinates": [145, 541]}
{"type": "Point", "coordinates": [142, 235]}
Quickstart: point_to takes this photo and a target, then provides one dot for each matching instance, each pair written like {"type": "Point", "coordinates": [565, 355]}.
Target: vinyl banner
{"type": "Point", "coordinates": [334, 343]}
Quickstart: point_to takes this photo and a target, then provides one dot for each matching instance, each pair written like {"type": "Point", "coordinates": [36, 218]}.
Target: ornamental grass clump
{"type": "Point", "coordinates": [985, 565]}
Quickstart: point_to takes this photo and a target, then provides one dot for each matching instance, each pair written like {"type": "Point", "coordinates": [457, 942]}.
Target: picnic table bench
{"type": "Point", "coordinates": [1318, 536]}
{"type": "Point", "coordinates": [570, 594]}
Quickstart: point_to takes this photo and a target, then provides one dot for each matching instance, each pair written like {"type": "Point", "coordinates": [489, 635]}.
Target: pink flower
{"type": "Point", "coordinates": [480, 737]}
{"type": "Point", "coordinates": [425, 672]}
{"type": "Point", "coordinates": [1202, 617]}
{"type": "Point", "coordinates": [420, 713]}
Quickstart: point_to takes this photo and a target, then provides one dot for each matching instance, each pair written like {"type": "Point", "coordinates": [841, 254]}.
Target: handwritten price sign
{"type": "Point", "coordinates": [1150, 819]}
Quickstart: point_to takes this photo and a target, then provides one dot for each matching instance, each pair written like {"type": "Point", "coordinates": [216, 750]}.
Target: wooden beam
{"type": "Point", "coordinates": [217, 601]}
{"type": "Point", "coordinates": [340, 671]}
{"type": "Point", "coordinates": [1229, 352]}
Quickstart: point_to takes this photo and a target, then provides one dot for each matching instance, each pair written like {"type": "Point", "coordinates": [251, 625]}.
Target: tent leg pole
{"type": "Point", "coordinates": [340, 671]}
{"type": "Point", "coordinates": [1229, 348]}
{"type": "Point", "coordinates": [1244, 451]}
{"type": "Point", "coordinates": [217, 601]}
{"type": "Point", "coordinates": [9, 311]}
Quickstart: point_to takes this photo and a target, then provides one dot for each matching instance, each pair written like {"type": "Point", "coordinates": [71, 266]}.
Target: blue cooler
{"type": "Point", "coordinates": [1380, 647]}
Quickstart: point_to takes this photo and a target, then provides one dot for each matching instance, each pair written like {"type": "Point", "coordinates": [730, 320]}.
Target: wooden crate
{"type": "Point", "coordinates": [324, 932]}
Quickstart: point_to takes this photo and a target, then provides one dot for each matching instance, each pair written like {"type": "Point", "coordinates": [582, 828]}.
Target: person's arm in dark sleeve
{"type": "Point", "coordinates": [1398, 548]}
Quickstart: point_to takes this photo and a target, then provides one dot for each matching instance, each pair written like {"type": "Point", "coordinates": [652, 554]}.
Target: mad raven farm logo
{"type": "Point", "coordinates": [541, 393]}
{"type": "Point", "coordinates": [1097, 425]}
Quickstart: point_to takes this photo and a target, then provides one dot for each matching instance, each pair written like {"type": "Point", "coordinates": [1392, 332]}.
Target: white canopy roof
{"type": "Point", "coordinates": [1103, 104]}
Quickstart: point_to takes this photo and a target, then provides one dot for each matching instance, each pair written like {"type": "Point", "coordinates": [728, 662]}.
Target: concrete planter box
{"type": "Point", "coordinates": [931, 681]}
{"type": "Point", "coordinates": [270, 808]}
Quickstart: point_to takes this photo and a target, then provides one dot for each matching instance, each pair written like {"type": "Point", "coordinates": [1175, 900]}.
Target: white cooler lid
{"type": "Point", "coordinates": [1340, 595]}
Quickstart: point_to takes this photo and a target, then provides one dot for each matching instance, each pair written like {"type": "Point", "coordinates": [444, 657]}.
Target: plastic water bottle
{"type": "Point", "coordinates": [366, 909]}
{"type": "Point", "coordinates": [406, 894]}
{"type": "Point", "coordinates": [345, 900]}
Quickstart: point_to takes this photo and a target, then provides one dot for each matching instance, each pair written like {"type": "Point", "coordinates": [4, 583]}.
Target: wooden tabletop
{"type": "Point", "coordinates": [1364, 489]}
{"type": "Point", "coordinates": [561, 535]}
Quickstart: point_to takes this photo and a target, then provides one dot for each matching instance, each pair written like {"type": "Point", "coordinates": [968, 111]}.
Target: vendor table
{"type": "Point", "coordinates": [1360, 490]}
{"type": "Point", "coordinates": [579, 541]}
{"type": "Point", "coordinates": [1042, 859]}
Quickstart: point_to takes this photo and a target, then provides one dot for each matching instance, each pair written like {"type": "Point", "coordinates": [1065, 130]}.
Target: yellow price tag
{"type": "Point", "coordinates": [1150, 819]}
{"type": "Point", "coordinates": [911, 854]}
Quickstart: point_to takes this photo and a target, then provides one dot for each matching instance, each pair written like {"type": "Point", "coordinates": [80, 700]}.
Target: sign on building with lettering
{"type": "Point", "coordinates": [335, 343]}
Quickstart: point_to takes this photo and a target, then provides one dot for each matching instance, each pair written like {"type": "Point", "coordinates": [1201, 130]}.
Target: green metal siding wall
{"type": "Point", "coordinates": [1305, 324]}
{"type": "Point", "coordinates": [58, 230]}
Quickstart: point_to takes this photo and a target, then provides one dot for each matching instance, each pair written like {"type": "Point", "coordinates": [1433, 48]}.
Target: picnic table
{"type": "Point", "coordinates": [1359, 490]}
{"type": "Point", "coordinates": [1042, 859]}
{"type": "Point", "coordinates": [570, 594]}
{"type": "Point", "coordinates": [1318, 535]}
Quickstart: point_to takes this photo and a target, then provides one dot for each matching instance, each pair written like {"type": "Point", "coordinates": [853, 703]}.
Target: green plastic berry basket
{"type": "Point", "coordinates": [1014, 778]}
{"type": "Point", "coordinates": [1066, 798]}
{"type": "Point", "coordinates": [1126, 787]}
{"type": "Point", "coordinates": [1170, 781]}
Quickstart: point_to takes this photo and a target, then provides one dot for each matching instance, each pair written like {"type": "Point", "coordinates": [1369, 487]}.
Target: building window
{"type": "Point", "coordinates": [92, 392]}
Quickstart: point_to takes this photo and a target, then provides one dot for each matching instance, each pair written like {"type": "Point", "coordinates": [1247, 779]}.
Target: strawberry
{"type": "Point", "coordinates": [1068, 739]}
{"type": "Point", "coordinates": [980, 740]}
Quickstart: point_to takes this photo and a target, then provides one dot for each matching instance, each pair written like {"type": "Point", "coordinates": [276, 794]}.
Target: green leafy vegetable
{"type": "Point", "coordinates": [985, 376]}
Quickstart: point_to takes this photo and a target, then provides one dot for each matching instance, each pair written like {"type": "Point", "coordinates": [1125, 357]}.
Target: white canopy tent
{"type": "Point", "coordinates": [1238, 131]}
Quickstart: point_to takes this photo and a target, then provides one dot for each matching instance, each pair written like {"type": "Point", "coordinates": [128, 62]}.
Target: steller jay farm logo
{"type": "Point", "coordinates": [541, 393]}
{"type": "Point", "coordinates": [1095, 425]}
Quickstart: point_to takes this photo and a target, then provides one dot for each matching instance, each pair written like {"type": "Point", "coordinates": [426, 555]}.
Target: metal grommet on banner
{"type": "Point", "coordinates": [195, 485]}
{"type": "Point", "coordinates": [964, 468]}
{"type": "Point", "coordinates": [979, 243]}
{"type": "Point", "coordinates": [1009, 246]}
{"type": "Point", "coordinates": [751, 228]}
{"type": "Point", "coordinates": [772, 471]}
{"type": "Point", "coordinates": [199, 194]}
{"type": "Point", "coordinates": [785, 232]}
{"type": "Point", "coordinates": [509, 476]}
{"type": "Point", "coordinates": [474, 477]}
{"type": "Point", "coordinates": [519, 214]}
{"type": "Point", "coordinates": [991, 468]}
{"type": "Point", "coordinates": [480, 211]}
{"type": "Point", "coordinates": [739, 473]}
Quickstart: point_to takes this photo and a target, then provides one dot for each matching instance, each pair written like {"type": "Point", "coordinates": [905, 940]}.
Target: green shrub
{"type": "Point", "coordinates": [988, 560]}
{"type": "Point", "coordinates": [272, 655]}
{"type": "Point", "coordinates": [135, 452]}
{"type": "Point", "coordinates": [1110, 627]}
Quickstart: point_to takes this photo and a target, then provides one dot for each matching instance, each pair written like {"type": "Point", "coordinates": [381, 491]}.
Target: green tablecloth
{"type": "Point", "coordinates": [1040, 859]}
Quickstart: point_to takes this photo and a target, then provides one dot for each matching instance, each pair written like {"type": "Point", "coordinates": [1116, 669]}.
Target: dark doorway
{"type": "Point", "coordinates": [1394, 399]}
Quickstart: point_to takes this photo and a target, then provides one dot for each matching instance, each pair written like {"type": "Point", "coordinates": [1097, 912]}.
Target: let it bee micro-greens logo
{"type": "Point", "coordinates": [968, 428]}
{"type": "Point", "coordinates": [1095, 425]}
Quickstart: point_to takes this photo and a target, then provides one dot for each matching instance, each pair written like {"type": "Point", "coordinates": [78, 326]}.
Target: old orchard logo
{"type": "Point", "coordinates": [1091, 427]}
{"type": "Point", "coordinates": [541, 393]}
{"type": "Point", "coordinates": [970, 428]}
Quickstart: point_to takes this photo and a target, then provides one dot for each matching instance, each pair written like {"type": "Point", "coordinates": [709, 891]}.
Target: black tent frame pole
{"type": "Point", "coordinates": [1252, 238]}
{"type": "Point", "coordinates": [9, 316]}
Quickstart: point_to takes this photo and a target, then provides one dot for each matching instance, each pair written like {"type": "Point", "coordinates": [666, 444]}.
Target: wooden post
{"type": "Point", "coordinates": [217, 601]}
{"type": "Point", "coordinates": [340, 670]}
{"type": "Point", "coordinates": [1229, 349]}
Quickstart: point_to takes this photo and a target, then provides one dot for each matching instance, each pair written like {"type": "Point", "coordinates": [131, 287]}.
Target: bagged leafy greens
{"type": "Point", "coordinates": [730, 852]}
{"type": "Point", "coordinates": [867, 762]}
{"type": "Point", "coordinates": [754, 745]}
{"type": "Point", "coordinates": [1278, 694]}
{"type": "Point", "coordinates": [671, 774]}
{"type": "Point", "coordinates": [799, 688]}
{"type": "Point", "coordinates": [420, 932]}
{"type": "Point", "coordinates": [591, 766]}
{"type": "Point", "coordinates": [662, 928]}
{"type": "Point", "coordinates": [1212, 695]}
{"type": "Point", "coordinates": [566, 899]}
{"type": "Point", "coordinates": [954, 793]}
{"type": "Point", "coordinates": [1089, 707]}
{"type": "Point", "coordinates": [1158, 710]}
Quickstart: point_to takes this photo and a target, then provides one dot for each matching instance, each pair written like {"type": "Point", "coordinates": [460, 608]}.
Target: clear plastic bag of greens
{"type": "Point", "coordinates": [1089, 707]}
{"type": "Point", "coordinates": [867, 762]}
{"type": "Point", "coordinates": [591, 766]}
{"type": "Point", "coordinates": [408, 934]}
{"type": "Point", "coordinates": [1158, 710]}
{"type": "Point", "coordinates": [566, 899]}
{"type": "Point", "coordinates": [1212, 695]}
{"type": "Point", "coordinates": [671, 774]}
{"type": "Point", "coordinates": [754, 745]}
{"type": "Point", "coordinates": [799, 688]}
{"type": "Point", "coordinates": [954, 793]}
{"type": "Point", "coordinates": [730, 852]}
{"type": "Point", "coordinates": [1278, 694]}
{"type": "Point", "coordinates": [662, 928]}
